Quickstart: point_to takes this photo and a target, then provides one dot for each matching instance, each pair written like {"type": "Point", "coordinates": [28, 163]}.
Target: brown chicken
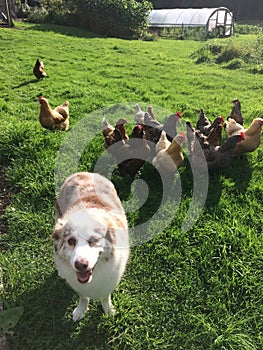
{"type": "Point", "coordinates": [38, 70]}
{"type": "Point", "coordinates": [203, 124]}
{"type": "Point", "coordinates": [215, 135]}
{"type": "Point", "coordinates": [236, 112]}
{"type": "Point", "coordinates": [57, 118]}
{"type": "Point", "coordinates": [152, 128]}
{"type": "Point", "coordinates": [110, 134]}
{"type": "Point", "coordinates": [213, 138]}
{"type": "Point", "coordinates": [167, 161]}
{"type": "Point", "coordinates": [252, 135]}
{"type": "Point", "coordinates": [135, 154]}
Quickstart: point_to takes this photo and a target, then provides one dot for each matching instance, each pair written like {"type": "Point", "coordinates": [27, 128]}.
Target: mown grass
{"type": "Point", "coordinates": [189, 290]}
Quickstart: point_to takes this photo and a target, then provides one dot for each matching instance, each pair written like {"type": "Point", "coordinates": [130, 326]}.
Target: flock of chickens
{"type": "Point", "coordinates": [206, 149]}
{"type": "Point", "coordinates": [149, 137]}
{"type": "Point", "coordinates": [57, 118]}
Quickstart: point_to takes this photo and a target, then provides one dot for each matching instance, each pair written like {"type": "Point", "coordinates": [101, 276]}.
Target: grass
{"type": "Point", "coordinates": [191, 290]}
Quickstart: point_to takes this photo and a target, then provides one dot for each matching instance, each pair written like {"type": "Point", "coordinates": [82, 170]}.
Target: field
{"type": "Point", "coordinates": [194, 278]}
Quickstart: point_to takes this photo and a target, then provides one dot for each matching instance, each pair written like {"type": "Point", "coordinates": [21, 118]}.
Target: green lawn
{"type": "Point", "coordinates": [198, 289]}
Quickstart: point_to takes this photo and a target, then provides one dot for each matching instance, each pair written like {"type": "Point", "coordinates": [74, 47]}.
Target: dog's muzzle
{"type": "Point", "coordinates": [84, 273]}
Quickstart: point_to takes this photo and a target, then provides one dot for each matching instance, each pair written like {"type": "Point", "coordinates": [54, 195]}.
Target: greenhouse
{"type": "Point", "coordinates": [216, 21]}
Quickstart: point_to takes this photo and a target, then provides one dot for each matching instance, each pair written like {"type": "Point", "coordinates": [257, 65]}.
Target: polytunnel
{"type": "Point", "coordinates": [214, 20]}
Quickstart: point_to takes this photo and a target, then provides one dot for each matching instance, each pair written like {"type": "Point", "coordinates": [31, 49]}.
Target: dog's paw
{"type": "Point", "coordinates": [107, 306]}
{"type": "Point", "coordinates": [78, 314]}
{"type": "Point", "coordinates": [80, 310]}
{"type": "Point", "coordinates": [111, 311]}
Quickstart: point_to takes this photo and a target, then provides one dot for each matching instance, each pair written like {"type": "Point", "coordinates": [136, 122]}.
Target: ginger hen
{"type": "Point", "coordinates": [167, 161]}
{"type": "Point", "coordinates": [252, 135]}
{"type": "Point", "coordinates": [57, 118]}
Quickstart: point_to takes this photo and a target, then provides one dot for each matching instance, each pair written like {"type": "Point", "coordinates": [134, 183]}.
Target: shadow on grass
{"type": "Point", "coordinates": [69, 31]}
{"type": "Point", "coordinates": [25, 83]}
{"type": "Point", "coordinates": [239, 172]}
{"type": "Point", "coordinates": [47, 320]}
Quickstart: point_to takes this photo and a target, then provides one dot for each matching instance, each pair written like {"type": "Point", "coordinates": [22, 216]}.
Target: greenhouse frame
{"type": "Point", "coordinates": [218, 21]}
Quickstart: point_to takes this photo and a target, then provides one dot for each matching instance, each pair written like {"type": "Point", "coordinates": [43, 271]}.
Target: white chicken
{"type": "Point", "coordinates": [233, 128]}
{"type": "Point", "coordinates": [167, 161]}
{"type": "Point", "coordinates": [139, 115]}
{"type": "Point", "coordinates": [163, 143]}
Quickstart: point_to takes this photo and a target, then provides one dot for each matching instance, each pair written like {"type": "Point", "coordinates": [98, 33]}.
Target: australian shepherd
{"type": "Point", "coordinates": [91, 242]}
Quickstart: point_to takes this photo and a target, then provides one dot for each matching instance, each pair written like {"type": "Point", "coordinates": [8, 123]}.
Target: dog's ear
{"type": "Point", "coordinates": [57, 233]}
{"type": "Point", "coordinates": [110, 235]}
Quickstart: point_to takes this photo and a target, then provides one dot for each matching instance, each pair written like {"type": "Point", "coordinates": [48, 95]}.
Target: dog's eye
{"type": "Point", "coordinates": [93, 241]}
{"type": "Point", "coordinates": [72, 241]}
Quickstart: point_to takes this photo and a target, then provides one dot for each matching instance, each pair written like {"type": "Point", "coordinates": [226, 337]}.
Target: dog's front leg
{"type": "Point", "coordinates": [81, 309]}
{"type": "Point", "coordinates": [107, 306]}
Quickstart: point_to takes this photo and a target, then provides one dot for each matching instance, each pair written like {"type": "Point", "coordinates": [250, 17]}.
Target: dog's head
{"type": "Point", "coordinates": [82, 238]}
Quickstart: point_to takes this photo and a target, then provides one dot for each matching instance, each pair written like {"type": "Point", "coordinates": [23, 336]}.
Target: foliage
{"type": "Point", "coordinates": [9, 319]}
{"type": "Point", "coordinates": [184, 33]}
{"type": "Point", "coordinates": [233, 54]}
{"type": "Point", "coordinates": [198, 289]}
{"type": "Point", "coordinates": [124, 19]}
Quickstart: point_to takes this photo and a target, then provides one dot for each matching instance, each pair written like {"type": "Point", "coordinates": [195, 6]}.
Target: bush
{"type": "Point", "coordinates": [236, 63]}
{"type": "Point", "coordinates": [229, 52]}
{"type": "Point", "coordinates": [126, 19]}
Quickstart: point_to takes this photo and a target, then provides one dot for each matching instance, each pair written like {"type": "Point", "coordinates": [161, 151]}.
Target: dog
{"type": "Point", "coordinates": [91, 240]}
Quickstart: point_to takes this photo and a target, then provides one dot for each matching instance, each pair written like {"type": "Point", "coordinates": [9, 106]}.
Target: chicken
{"type": "Point", "coordinates": [233, 128]}
{"type": "Point", "coordinates": [215, 135]}
{"type": "Point", "coordinates": [136, 153]}
{"type": "Point", "coordinates": [213, 138]}
{"type": "Point", "coordinates": [57, 118]}
{"type": "Point", "coordinates": [38, 70]}
{"type": "Point", "coordinates": [110, 134]}
{"type": "Point", "coordinates": [150, 112]}
{"type": "Point", "coordinates": [139, 115]}
{"type": "Point", "coordinates": [170, 125]}
{"type": "Point", "coordinates": [167, 161]}
{"type": "Point", "coordinates": [224, 154]}
{"type": "Point", "coordinates": [190, 135]}
{"type": "Point", "coordinates": [163, 143]}
{"type": "Point", "coordinates": [203, 123]}
{"type": "Point", "coordinates": [152, 128]}
{"type": "Point", "coordinates": [252, 137]}
{"type": "Point", "coordinates": [236, 112]}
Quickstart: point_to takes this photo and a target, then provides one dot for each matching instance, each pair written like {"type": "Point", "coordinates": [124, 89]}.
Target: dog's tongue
{"type": "Point", "coordinates": [84, 277]}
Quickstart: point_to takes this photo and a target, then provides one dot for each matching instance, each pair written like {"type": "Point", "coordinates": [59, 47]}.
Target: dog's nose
{"type": "Point", "coordinates": [81, 265]}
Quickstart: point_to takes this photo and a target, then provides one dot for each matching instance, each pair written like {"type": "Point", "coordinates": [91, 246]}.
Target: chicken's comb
{"type": "Point", "coordinates": [222, 118]}
{"type": "Point", "coordinates": [179, 114]}
{"type": "Point", "coordinates": [242, 135]}
{"type": "Point", "coordinates": [182, 134]}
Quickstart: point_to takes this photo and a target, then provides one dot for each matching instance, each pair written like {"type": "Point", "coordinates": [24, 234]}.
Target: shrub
{"type": "Point", "coordinates": [124, 19]}
{"type": "Point", "coordinates": [229, 52]}
{"type": "Point", "coordinates": [236, 63]}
